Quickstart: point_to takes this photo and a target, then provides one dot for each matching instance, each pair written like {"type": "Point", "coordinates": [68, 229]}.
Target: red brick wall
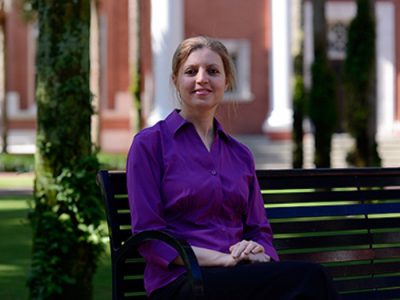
{"type": "Point", "coordinates": [17, 56]}
{"type": "Point", "coordinates": [236, 19]}
{"type": "Point", "coordinates": [115, 14]}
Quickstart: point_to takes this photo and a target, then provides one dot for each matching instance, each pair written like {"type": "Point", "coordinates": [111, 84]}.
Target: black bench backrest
{"type": "Point", "coordinates": [347, 219]}
{"type": "Point", "coordinates": [128, 279]}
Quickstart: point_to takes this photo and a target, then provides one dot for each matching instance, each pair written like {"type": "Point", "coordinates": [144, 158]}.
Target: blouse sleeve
{"type": "Point", "coordinates": [257, 226]}
{"type": "Point", "coordinates": [144, 175]}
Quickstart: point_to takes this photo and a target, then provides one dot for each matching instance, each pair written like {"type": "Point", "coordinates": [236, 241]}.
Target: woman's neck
{"type": "Point", "coordinates": [204, 125]}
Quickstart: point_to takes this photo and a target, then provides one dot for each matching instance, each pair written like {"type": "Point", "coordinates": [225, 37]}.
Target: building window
{"type": "Point", "coordinates": [239, 50]}
{"type": "Point", "coordinates": [337, 40]}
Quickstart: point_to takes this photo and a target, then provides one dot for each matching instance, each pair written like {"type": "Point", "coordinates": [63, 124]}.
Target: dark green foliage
{"type": "Point", "coordinates": [322, 95]}
{"type": "Point", "coordinates": [323, 112]}
{"type": "Point", "coordinates": [360, 86]}
{"type": "Point", "coordinates": [67, 217]}
{"type": "Point", "coordinates": [136, 90]}
{"type": "Point", "coordinates": [299, 107]}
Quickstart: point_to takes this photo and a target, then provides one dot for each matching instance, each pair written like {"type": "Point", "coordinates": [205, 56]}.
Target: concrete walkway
{"type": "Point", "coordinates": [268, 154]}
{"type": "Point", "coordinates": [277, 154]}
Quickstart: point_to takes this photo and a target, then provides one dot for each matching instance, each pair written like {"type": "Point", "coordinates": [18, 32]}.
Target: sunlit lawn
{"type": "Point", "coordinates": [16, 180]}
{"type": "Point", "coordinates": [16, 241]}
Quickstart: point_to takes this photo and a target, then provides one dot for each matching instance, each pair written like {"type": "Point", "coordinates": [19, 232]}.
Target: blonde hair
{"type": "Point", "coordinates": [189, 45]}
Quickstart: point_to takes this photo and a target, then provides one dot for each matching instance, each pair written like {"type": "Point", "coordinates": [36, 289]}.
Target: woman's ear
{"type": "Point", "coordinates": [173, 78]}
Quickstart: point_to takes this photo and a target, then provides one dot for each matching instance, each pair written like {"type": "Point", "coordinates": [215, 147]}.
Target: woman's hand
{"type": "Point", "coordinates": [211, 258]}
{"type": "Point", "coordinates": [245, 248]}
{"type": "Point", "coordinates": [249, 251]}
{"type": "Point", "coordinates": [244, 251]}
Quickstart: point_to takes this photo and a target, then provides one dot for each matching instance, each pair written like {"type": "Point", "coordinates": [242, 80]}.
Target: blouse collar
{"type": "Point", "coordinates": [175, 122]}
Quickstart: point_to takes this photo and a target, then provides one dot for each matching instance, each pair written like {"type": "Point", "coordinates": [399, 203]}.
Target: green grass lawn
{"type": "Point", "coordinates": [16, 241]}
{"type": "Point", "coordinates": [16, 180]}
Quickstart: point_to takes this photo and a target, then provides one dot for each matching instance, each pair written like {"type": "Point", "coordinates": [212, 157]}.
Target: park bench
{"type": "Point", "coordinates": [346, 219]}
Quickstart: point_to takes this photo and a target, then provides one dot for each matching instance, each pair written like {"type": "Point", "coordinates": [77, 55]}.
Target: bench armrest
{"type": "Point", "coordinates": [183, 248]}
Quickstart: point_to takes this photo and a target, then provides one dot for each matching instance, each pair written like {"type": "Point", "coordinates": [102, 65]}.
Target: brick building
{"type": "Point", "coordinates": [258, 34]}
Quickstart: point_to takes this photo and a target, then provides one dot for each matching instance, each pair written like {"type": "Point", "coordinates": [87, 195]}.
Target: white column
{"type": "Point", "coordinates": [280, 116]}
{"type": "Point", "coordinates": [385, 34]}
{"type": "Point", "coordinates": [166, 34]}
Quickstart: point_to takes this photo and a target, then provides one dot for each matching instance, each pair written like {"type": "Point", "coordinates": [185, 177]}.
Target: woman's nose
{"type": "Point", "coordinates": [202, 76]}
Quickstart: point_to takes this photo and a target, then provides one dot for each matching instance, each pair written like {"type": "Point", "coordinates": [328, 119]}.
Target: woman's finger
{"type": "Point", "coordinates": [238, 249]}
{"type": "Point", "coordinates": [245, 247]}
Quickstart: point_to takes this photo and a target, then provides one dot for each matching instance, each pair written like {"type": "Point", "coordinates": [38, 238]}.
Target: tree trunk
{"type": "Point", "coordinates": [299, 95]}
{"type": "Point", "coordinates": [360, 74]}
{"type": "Point", "coordinates": [67, 214]}
{"type": "Point", "coordinates": [322, 94]}
{"type": "Point", "coordinates": [373, 156]}
{"type": "Point", "coordinates": [3, 80]}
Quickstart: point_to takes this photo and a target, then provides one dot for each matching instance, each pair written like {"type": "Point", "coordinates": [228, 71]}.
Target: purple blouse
{"type": "Point", "coordinates": [209, 198]}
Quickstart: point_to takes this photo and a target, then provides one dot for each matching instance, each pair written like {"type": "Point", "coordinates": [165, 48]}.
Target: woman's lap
{"type": "Point", "coordinates": [274, 280]}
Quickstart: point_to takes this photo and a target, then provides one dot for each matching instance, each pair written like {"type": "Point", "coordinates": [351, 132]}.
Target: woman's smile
{"type": "Point", "coordinates": [202, 92]}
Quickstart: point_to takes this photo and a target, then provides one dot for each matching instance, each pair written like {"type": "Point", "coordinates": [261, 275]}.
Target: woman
{"type": "Point", "coordinates": [187, 176]}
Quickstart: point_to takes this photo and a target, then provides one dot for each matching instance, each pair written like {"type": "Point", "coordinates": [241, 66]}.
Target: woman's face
{"type": "Point", "coordinates": [201, 81]}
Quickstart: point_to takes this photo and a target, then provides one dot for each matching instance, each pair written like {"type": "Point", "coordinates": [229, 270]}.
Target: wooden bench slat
{"type": "Point", "coordinates": [387, 253]}
{"type": "Point", "coordinates": [351, 240]}
{"type": "Point", "coordinates": [329, 195]}
{"type": "Point", "coordinates": [331, 256]}
{"type": "Point", "coordinates": [364, 269]}
{"type": "Point", "coordinates": [322, 242]}
{"type": "Point", "coordinates": [281, 179]}
{"type": "Point", "coordinates": [367, 283]}
{"type": "Point", "coordinates": [344, 255]}
{"type": "Point", "coordinates": [331, 210]}
{"type": "Point", "coordinates": [124, 219]}
{"type": "Point", "coordinates": [381, 294]}
{"type": "Point", "coordinates": [343, 224]}
{"type": "Point", "coordinates": [122, 203]}
{"type": "Point", "coordinates": [130, 269]}
{"type": "Point", "coordinates": [133, 285]}
{"type": "Point", "coordinates": [378, 181]}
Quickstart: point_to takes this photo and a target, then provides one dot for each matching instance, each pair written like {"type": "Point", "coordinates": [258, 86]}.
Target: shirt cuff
{"type": "Point", "coordinates": [159, 253]}
{"type": "Point", "coordinates": [271, 252]}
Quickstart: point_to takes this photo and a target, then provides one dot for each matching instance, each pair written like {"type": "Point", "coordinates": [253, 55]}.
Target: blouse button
{"type": "Point", "coordinates": [213, 172]}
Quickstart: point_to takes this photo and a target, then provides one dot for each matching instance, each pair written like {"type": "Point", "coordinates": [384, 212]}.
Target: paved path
{"type": "Point", "coordinates": [278, 154]}
{"type": "Point", "coordinates": [16, 192]}
{"type": "Point", "coordinates": [268, 154]}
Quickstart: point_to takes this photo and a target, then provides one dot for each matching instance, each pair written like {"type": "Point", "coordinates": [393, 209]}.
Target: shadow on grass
{"type": "Point", "coordinates": [15, 252]}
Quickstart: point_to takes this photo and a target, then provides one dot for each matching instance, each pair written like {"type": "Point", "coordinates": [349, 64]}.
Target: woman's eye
{"type": "Point", "coordinates": [213, 71]}
{"type": "Point", "coordinates": [190, 72]}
